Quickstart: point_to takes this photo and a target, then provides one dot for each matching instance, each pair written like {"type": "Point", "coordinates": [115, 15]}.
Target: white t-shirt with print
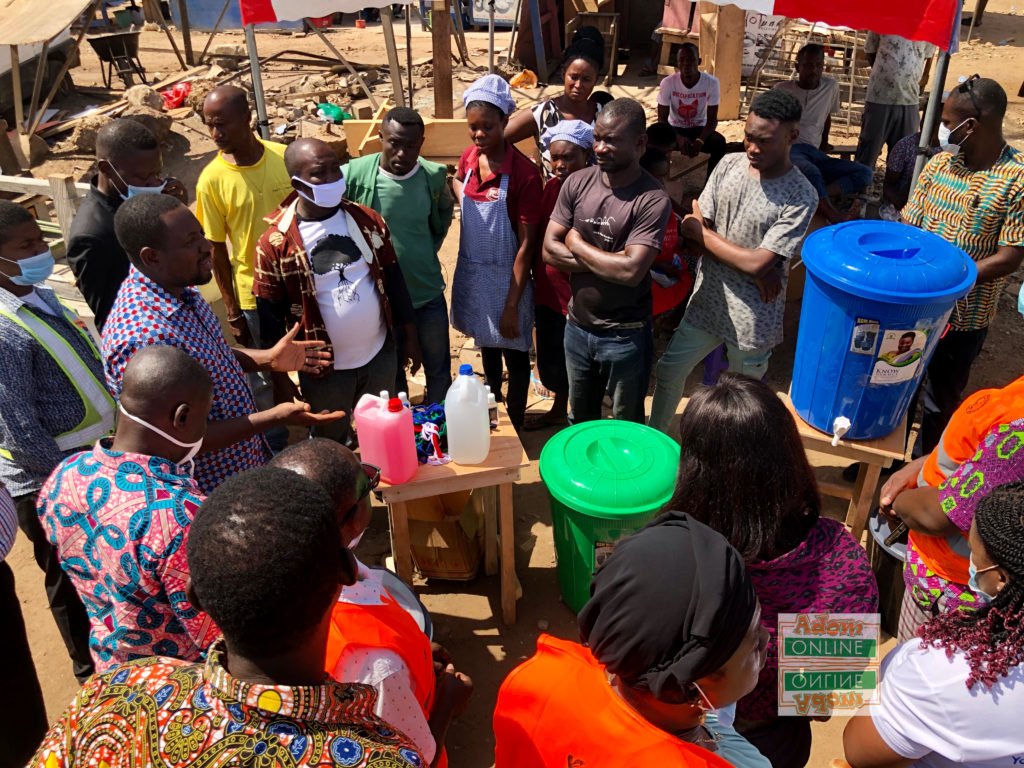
{"type": "Point", "coordinates": [928, 715]}
{"type": "Point", "coordinates": [688, 107]}
{"type": "Point", "coordinates": [348, 299]}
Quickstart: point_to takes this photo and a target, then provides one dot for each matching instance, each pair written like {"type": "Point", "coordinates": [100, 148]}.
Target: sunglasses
{"type": "Point", "coordinates": [967, 86]}
{"type": "Point", "coordinates": [372, 473]}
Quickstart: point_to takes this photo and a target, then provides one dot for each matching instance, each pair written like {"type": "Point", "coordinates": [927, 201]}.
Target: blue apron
{"type": "Point", "coordinates": [483, 273]}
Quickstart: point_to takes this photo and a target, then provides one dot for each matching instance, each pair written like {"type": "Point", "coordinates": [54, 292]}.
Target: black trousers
{"type": "Point", "coordinates": [944, 383]}
{"type": "Point", "coordinates": [550, 325]}
{"type": "Point", "coordinates": [23, 723]}
{"type": "Point", "coordinates": [65, 604]}
{"type": "Point", "coordinates": [714, 145]}
{"type": "Point", "coordinates": [518, 364]}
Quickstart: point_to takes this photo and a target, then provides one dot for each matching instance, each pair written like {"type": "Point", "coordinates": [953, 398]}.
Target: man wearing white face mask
{"type": "Point", "coordinates": [972, 194]}
{"type": "Point", "coordinates": [128, 163]}
{"type": "Point", "coordinates": [119, 514]}
{"type": "Point", "coordinates": [53, 401]}
{"type": "Point", "coordinates": [328, 264]}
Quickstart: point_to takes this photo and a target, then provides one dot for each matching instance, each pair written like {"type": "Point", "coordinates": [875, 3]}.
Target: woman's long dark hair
{"type": "Point", "coordinates": [992, 638]}
{"type": "Point", "coordinates": [743, 470]}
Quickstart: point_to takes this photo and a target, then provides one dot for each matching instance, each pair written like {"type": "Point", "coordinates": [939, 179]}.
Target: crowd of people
{"type": "Point", "coordinates": [200, 570]}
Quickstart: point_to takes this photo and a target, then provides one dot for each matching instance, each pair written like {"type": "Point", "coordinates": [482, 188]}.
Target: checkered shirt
{"type": "Point", "coordinates": [144, 314]}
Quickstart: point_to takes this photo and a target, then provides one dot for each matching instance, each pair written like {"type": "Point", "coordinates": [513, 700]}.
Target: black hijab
{"type": "Point", "coordinates": [670, 605]}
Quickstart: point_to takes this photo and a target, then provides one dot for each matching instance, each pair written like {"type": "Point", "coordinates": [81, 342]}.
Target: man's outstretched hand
{"type": "Point", "coordinates": [291, 355]}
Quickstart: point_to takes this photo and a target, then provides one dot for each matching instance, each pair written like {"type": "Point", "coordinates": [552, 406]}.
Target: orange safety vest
{"type": "Point", "coordinates": [557, 710]}
{"type": "Point", "coordinates": [973, 420]}
{"type": "Point", "coordinates": [390, 627]}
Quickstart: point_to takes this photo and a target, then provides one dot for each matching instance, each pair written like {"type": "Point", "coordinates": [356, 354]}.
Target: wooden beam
{"type": "Point", "coordinates": [19, 106]}
{"type": "Point", "coordinates": [68, 61]}
{"type": "Point", "coordinates": [186, 32]}
{"type": "Point", "coordinates": [440, 28]}
{"type": "Point", "coordinates": [64, 194]}
{"type": "Point", "coordinates": [37, 85]}
{"type": "Point", "coordinates": [729, 59]}
{"type": "Point", "coordinates": [388, 27]}
{"type": "Point", "coordinates": [721, 49]}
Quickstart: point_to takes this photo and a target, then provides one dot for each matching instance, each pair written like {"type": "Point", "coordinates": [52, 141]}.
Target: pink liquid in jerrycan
{"type": "Point", "coordinates": [386, 437]}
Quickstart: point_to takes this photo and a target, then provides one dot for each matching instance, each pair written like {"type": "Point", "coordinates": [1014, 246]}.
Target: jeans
{"type": "Point", "coordinates": [432, 330]}
{"type": "Point", "coordinates": [687, 347]}
{"type": "Point", "coordinates": [65, 604]}
{"type": "Point", "coordinates": [944, 383]}
{"type": "Point", "coordinates": [24, 723]}
{"type": "Point", "coordinates": [260, 383]}
{"type": "Point", "coordinates": [341, 390]}
{"type": "Point", "coordinates": [550, 325]}
{"type": "Point", "coordinates": [822, 170]}
{"type": "Point", "coordinates": [518, 364]}
{"type": "Point", "coordinates": [613, 360]}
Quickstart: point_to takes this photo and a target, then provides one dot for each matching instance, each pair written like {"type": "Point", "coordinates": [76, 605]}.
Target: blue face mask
{"type": "Point", "coordinates": [34, 269]}
{"type": "Point", "coordinates": [972, 582]}
{"type": "Point", "coordinates": [132, 189]}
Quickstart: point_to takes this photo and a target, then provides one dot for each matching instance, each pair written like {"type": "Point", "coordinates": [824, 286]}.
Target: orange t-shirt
{"type": "Point", "coordinates": [557, 709]}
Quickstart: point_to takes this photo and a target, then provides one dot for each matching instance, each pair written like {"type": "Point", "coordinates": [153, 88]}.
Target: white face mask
{"type": "Point", "coordinates": [193, 448]}
{"type": "Point", "coordinates": [355, 542]}
{"type": "Point", "coordinates": [945, 133]}
{"type": "Point", "coordinates": [133, 190]}
{"type": "Point", "coordinates": [324, 195]}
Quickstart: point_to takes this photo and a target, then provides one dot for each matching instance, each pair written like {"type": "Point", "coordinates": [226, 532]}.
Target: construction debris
{"type": "Point", "coordinates": [144, 96]}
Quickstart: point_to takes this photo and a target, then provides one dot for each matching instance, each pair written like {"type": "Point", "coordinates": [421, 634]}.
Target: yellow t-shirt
{"type": "Point", "coordinates": [231, 202]}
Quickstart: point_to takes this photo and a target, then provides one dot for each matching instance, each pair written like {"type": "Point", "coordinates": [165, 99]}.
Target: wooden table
{"type": "Point", "coordinates": [502, 468]}
{"type": "Point", "coordinates": [872, 455]}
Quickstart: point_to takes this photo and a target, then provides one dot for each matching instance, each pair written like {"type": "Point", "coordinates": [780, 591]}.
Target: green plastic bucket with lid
{"type": "Point", "coordinates": [606, 479]}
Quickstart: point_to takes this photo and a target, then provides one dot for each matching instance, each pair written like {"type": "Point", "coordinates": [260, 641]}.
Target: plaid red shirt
{"type": "Point", "coordinates": [284, 273]}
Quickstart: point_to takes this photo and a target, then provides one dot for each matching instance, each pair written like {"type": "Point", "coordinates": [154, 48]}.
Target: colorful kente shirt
{"type": "Point", "coordinates": [158, 713]}
{"type": "Point", "coordinates": [978, 211]}
{"type": "Point", "coordinates": [998, 460]}
{"type": "Point", "coordinates": [144, 314]}
{"type": "Point", "coordinates": [120, 524]}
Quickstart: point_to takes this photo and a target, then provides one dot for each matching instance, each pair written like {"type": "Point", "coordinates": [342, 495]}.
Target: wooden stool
{"type": "Point", "coordinates": [872, 455]}
{"type": "Point", "coordinates": [501, 469]}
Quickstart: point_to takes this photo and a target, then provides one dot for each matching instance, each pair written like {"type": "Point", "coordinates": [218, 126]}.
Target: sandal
{"type": "Point", "coordinates": [539, 389]}
{"type": "Point", "coordinates": [648, 71]}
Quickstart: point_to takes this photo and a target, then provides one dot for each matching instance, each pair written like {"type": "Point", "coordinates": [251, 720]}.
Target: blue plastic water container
{"type": "Point", "coordinates": [876, 301]}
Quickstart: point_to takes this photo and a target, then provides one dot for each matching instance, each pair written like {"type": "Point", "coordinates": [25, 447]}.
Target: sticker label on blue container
{"type": "Point", "coordinates": [865, 335]}
{"type": "Point", "coordinates": [899, 356]}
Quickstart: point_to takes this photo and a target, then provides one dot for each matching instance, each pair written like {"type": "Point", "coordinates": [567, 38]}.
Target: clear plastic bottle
{"type": "Point", "coordinates": [465, 408]}
{"type": "Point", "coordinates": [404, 397]}
{"type": "Point", "coordinates": [386, 437]}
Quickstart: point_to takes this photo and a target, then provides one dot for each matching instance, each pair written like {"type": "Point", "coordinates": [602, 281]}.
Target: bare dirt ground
{"type": "Point", "coordinates": [464, 613]}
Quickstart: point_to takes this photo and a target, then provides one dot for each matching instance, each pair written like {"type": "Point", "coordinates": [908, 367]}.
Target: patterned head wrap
{"type": "Point", "coordinates": [576, 131]}
{"type": "Point", "coordinates": [494, 90]}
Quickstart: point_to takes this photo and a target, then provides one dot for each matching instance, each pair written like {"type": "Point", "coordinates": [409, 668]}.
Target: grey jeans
{"type": "Point", "coordinates": [341, 390]}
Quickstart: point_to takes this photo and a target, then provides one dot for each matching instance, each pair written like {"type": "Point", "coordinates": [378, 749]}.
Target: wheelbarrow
{"type": "Point", "coordinates": [119, 54]}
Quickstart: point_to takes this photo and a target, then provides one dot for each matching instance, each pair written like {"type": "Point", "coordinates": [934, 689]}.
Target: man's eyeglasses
{"type": "Point", "coordinates": [372, 473]}
{"type": "Point", "coordinates": [967, 86]}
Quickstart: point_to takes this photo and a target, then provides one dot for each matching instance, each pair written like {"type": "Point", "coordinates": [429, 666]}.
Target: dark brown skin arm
{"type": "Point", "coordinates": [521, 126]}
{"type": "Point", "coordinates": [556, 253]}
{"type": "Point", "coordinates": [627, 267]}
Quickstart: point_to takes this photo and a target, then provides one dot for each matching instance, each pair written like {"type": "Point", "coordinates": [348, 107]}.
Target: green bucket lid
{"type": "Point", "coordinates": [610, 468]}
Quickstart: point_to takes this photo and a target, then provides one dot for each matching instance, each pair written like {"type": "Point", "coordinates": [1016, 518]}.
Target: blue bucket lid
{"type": "Point", "coordinates": [890, 262]}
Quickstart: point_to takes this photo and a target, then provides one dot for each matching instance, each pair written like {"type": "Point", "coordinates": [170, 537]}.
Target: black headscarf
{"type": "Point", "coordinates": [670, 605]}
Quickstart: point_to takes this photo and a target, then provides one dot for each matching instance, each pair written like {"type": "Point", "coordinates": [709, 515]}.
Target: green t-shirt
{"type": "Point", "coordinates": [405, 205]}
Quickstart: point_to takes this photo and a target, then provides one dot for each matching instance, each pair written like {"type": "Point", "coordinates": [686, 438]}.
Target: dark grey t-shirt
{"type": "Point", "coordinates": [752, 213]}
{"type": "Point", "coordinates": [610, 219]}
